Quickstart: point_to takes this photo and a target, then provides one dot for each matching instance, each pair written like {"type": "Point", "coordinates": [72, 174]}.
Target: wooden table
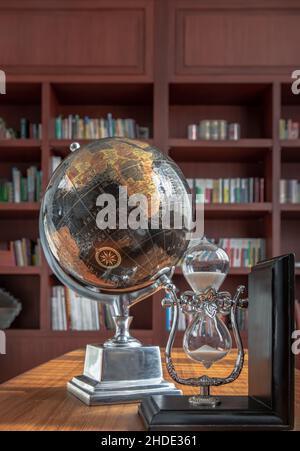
{"type": "Point", "coordinates": [38, 400]}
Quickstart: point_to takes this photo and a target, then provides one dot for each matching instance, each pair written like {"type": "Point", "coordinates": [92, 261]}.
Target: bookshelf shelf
{"type": "Point", "coordinates": [19, 210]}
{"type": "Point", "coordinates": [19, 270]}
{"type": "Point", "coordinates": [256, 209]}
{"type": "Point", "coordinates": [20, 143]}
{"type": "Point", "coordinates": [62, 146]}
{"type": "Point", "coordinates": [290, 143]}
{"type": "Point", "coordinates": [207, 144]}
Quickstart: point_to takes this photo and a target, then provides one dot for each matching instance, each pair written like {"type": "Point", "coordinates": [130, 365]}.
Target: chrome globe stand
{"type": "Point", "coordinates": [122, 370]}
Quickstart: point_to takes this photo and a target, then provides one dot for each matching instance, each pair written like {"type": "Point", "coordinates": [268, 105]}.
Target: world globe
{"type": "Point", "coordinates": [118, 258]}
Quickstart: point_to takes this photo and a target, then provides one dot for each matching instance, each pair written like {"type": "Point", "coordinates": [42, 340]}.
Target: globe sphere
{"type": "Point", "coordinates": [98, 250]}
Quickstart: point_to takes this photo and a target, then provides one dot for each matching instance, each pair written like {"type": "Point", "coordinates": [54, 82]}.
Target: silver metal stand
{"type": "Point", "coordinates": [122, 369]}
{"type": "Point", "coordinates": [114, 375]}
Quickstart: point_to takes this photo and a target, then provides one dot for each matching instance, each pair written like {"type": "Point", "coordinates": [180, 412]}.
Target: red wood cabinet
{"type": "Point", "coordinates": [214, 36]}
{"type": "Point", "coordinates": [85, 37]}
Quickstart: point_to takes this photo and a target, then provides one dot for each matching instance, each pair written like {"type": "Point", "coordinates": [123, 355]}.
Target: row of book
{"type": "Point", "coordinates": [288, 129]}
{"type": "Point", "coordinates": [70, 311]}
{"type": "Point", "coordinates": [214, 130]}
{"type": "Point", "coordinates": [229, 190]}
{"type": "Point", "coordinates": [289, 191]}
{"type": "Point", "coordinates": [27, 130]}
{"type": "Point", "coordinates": [22, 188]}
{"type": "Point", "coordinates": [5, 131]}
{"type": "Point", "coordinates": [23, 252]}
{"type": "Point", "coordinates": [76, 127]}
{"type": "Point", "coordinates": [244, 252]}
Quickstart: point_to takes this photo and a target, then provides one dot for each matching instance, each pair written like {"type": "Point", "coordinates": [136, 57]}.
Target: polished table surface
{"type": "Point", "coordinates": [38, 400]}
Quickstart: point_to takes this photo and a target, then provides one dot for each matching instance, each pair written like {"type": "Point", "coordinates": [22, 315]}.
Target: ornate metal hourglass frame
{"type": "Point", "coordinates": [205, 267]}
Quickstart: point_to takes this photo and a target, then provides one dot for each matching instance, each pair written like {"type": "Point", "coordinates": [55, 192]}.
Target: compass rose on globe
{"type": "Point", "coordinates": [107, 257]}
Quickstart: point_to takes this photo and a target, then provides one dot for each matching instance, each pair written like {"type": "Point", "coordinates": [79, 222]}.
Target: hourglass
{"type": "Point", "coordinates": [269, 403]}
{"type": "Point", "coordinates": [207, 338]}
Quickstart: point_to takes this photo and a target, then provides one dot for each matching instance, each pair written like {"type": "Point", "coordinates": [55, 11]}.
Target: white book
{"type": "Point", "coordinates": [59, 310]}
{"type": "Point", "coordinates": [235, 243]}
{"type": "Point", "coordinates": [73, 304]}
{"type": "Point", "coordinates": [92, 319]}
{"type": "Point", "coordinates": [85, 313]}
{"type": "Point", "coordinates": [64, 310]}
{"type": "Point", "coordinates": [231, 191]}
{"type": "Point", "coordinates": [243, 191]}
{"type": "Point", "coordinates": [190, 182]}
{"type": "Point", "coordinates": [96, 314]}
{"type": "Point", "coordinates": [16, 179]}
{"type": "Point", "coordinates": [283, 191]}
{"type": "Point", "coordinates": [237, 189]}
{"type": "Point", "coordinates": [181, 321]}
{"type": "Point", "coordinates": [56, 160]}
{"type": "Point", "coordinates": [79, 312]}
{"type": "Point", "coordinates": [54, 313]}
{"type": "Point", "coordinates": [221, 190]}
{"type": "Point", "coordinates": [294, 191]}
{"type": "Point", "coordinates": [19, 253]}
{"type": "Point", "coordinates": [88, 309]}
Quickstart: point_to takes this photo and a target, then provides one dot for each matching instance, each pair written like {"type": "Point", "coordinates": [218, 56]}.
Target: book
{"type": "Point", "coordinates": [288, 129]}
{"type": "Point", "coordinates": [22, 252]}
{"type": "Point", "coordinates": [76, 127]}
{"type": "Point", "coordinates": [243, 252]}
{"type": "Point", "coordinates": [229, 190]}
{"type": "Point", "coordinates": [22, 188]}
{"type": "Point", "coordinates": [26, 130]}
{"type": "Point", "coordinates": [71, 311]}
{"type": "Point", "coordinates": [289, 191]}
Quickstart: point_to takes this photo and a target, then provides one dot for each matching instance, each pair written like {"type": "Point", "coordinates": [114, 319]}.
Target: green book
{"type": "Point", "coordinates": [58, 127]}
{"type": "Point", "coordinates": [24, 194]}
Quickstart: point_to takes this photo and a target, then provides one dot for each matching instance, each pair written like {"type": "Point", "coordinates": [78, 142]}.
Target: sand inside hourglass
{"type": "Point", "coordinates": [207, 355]}
{"type": "Point", "coordinates": [200, 281]}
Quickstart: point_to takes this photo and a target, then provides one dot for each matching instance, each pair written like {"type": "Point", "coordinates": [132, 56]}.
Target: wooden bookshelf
{"type": "Point", "coordinates": [20, 271]}
{"type": "Point", "coordinates": [161, 87]}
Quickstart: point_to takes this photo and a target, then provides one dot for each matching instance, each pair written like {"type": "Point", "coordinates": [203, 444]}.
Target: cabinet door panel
{"type": "Point", "coordinates": [234, 39]}
{"type": "Point", "coordinates": [102, 40]}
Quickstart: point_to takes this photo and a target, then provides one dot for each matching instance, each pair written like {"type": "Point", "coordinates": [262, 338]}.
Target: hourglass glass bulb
{"type": "Point", "coordinates": [207, 339]}
{"type": "Point", "coordinates": [205, 265]}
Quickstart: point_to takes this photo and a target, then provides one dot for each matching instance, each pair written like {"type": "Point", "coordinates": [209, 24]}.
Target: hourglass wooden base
{"type": "Point", "coordinates": [233, 413]}
{"type": "Point", "coordinates": [270, 401]}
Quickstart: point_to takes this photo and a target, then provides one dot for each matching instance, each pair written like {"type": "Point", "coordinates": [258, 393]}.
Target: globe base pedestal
{"type": "Point", "coordinates": [120, 375]}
